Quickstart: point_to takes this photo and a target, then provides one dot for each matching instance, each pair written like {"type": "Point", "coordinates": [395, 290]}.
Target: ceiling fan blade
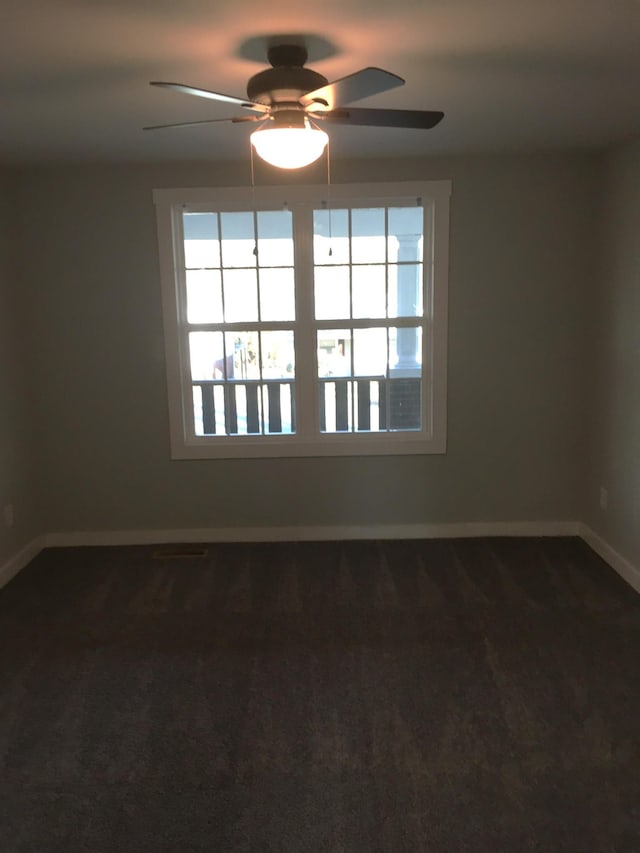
{"type": "Point", "coordinates": [235, 119]}
{"type": "Point", "coordinates": [214, 96]}
{"type": "Point", "coordinates": [354, 87]}
{"type": "Point", "coordinates": [419, 119]}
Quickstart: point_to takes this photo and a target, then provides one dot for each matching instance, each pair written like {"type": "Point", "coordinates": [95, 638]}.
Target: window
{"type": "Point", "coordinates": [298, 324]}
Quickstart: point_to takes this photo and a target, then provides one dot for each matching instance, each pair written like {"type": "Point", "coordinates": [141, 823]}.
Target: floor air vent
{"type": "Point", "coordinates": [180, 552]}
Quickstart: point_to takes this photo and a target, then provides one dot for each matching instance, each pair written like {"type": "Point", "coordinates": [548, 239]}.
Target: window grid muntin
{"type": "Point", "coordinates": [387, 383]}
{"type": "Point", "coordinates": [419, 262]}
{"type": "Point", "coordinates": [227, 382]}
{"type": "Point", "coordinates": [417, 321]}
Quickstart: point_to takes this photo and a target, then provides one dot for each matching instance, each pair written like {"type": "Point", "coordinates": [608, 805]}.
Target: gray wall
{"type": "Point", "coordinates": [17, 481]}
{"type": "Point", "coordinates": [522, 268]}
{"type": "Point", "coordinates": [614, 400]}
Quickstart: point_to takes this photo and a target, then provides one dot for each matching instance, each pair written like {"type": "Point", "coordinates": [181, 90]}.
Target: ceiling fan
{"type": "Point", "coordinates": [289, 100]}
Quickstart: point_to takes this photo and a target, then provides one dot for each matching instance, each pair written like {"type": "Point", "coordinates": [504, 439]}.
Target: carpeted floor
{"type": "Point", "coordinates": [448, 696]}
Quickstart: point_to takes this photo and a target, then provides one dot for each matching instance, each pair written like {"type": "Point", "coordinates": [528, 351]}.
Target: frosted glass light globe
{"type": "Point", "coordinates": [289, 147]}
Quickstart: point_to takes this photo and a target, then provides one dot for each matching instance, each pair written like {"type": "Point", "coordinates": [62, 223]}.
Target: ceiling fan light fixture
{"type": "Point", "coordinates": [289, 144]}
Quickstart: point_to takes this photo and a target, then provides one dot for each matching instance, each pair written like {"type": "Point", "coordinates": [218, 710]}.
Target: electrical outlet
{"type": "Point", "coordinates": [7, 513]}
{"type": "Point", "coordinates": [604, 498]}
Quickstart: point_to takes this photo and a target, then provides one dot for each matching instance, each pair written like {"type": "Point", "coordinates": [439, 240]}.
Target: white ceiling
{"type": "Point", "coordinates": [510, 75]}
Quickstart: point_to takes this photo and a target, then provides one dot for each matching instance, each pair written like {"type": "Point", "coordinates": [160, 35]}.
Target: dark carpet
{"type": "Point", "coordinates": [462, 695]}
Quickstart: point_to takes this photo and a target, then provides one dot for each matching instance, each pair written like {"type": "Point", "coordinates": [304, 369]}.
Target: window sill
{"type": "Point", "coordinates": [391, 444]}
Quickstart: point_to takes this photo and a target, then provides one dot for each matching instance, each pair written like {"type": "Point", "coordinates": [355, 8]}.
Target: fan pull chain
{"type": "Point", "coordinates": [253, 195]}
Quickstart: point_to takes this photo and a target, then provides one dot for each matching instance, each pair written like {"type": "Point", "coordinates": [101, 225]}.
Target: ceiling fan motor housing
{"type": "Point", "coordinates": [287, 80]}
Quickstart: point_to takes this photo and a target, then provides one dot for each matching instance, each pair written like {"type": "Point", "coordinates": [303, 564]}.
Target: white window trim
{"type": "Point", "coordinates": [170, 203]}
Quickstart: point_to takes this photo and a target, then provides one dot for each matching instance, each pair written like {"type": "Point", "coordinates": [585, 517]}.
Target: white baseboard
{"type": "Point", "coordinates": [626, 570]}
{"type": "Point", "coordinates": [16, 563]}
{"type": "Point", "coordinates": [455, 530]}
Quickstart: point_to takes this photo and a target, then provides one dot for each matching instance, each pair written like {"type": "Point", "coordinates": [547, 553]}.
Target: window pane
{"type": "Point", "coordinates": [405, 351]}
{"type": "Point", "coordinates": [277, 294]}
{"type": "Point", "coordinates": [336, 405]}
{"type": "Point", "coordinates": [368, 244]}
{"type": "Point", "coordinates": [370, 415]}
{"type": "Point", "coordinates": [247, 400]}
{"type": "Point", "coordinates": [369, 291]}
{"type": "Point", "coordinates": [238, 240]}
{"type": "Point", "coordinates": [204, 296]}
{"type": "Point", "coordinates": [198, 418]}
{"type": "Point", "coordinates": [405, 233]}
{"type": "Point", "coordinates": [331, 237]}
{"type": "Point", "coordinates": [278, 356]}
{"type": "Point", "coordinates": [278, 405]}
{"type": "Point", "coordinates": [405, 404]}
{"type": "Point", "coordinates": [405, 290]}
{"type": "Point", "coordinates": [208, 410]}
{"type": "Point", "coordinates": [334, 352]}
{"type": "Point", "coordinates": [244, 402]}
{"type": "Point", "coordinates": [201, 246]}
{"type": "Point", "coordinates": [275, 238]}
{"type": "Point", "coordinates": [242, 351]}
{"type": "Point", "coordinates": [240, 296]}
{"type": "Point", "coordinates": [206, 354]}
{"type": "Point", "coordinates": [331, 290]}
{"type": "Point", "coordinates": [370, 352]}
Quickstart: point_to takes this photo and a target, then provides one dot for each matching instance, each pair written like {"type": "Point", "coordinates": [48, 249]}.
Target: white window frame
{"type": "Point", "coordinates": [434, 196]}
